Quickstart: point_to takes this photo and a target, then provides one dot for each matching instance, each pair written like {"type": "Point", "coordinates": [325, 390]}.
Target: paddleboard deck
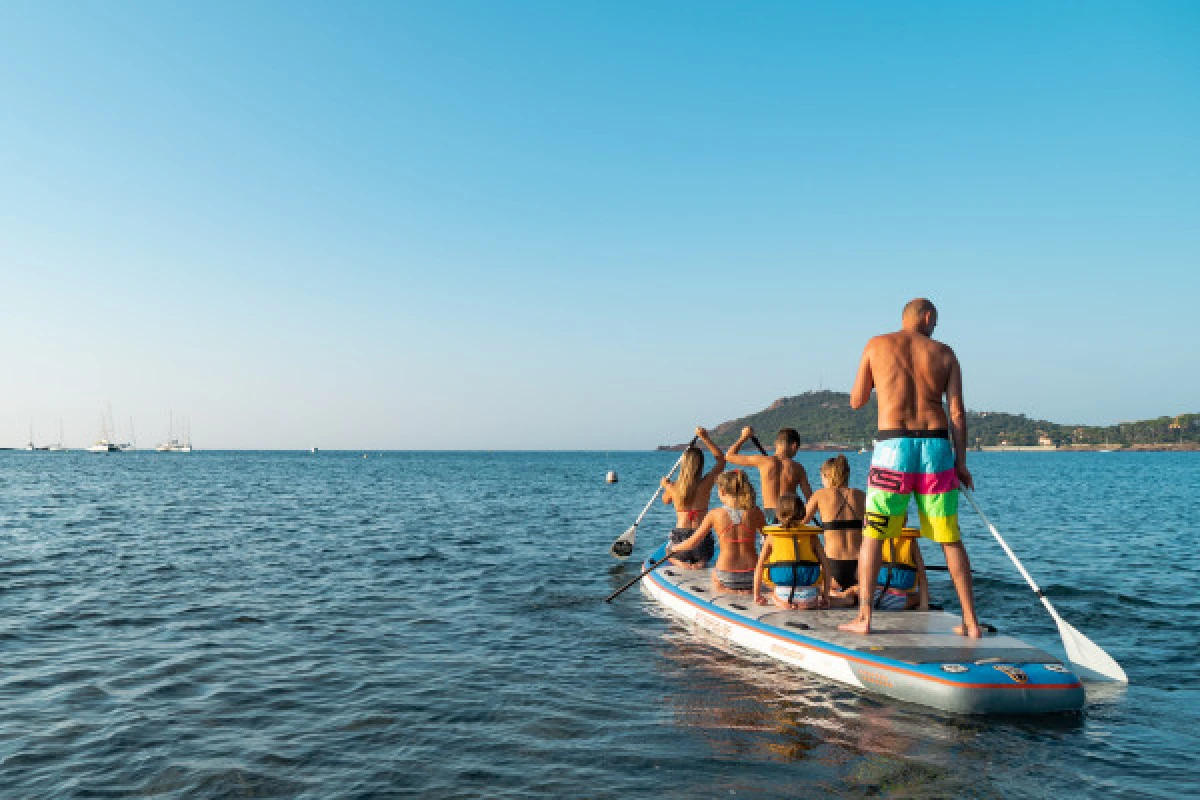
{"type": "Point", "coordinates": [913, 656]}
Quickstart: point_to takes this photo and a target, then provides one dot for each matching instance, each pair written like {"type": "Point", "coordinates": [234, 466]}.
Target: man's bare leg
{"type": "Point", "coordinates": [959, 566]}
{"type": "Point", "coordinates": [869, 556]}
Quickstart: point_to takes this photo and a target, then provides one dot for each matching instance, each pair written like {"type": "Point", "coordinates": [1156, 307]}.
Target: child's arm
{"type": "Point", "coordinates": [805, 487]}
{"type": "Point", "coordinates": [810, 510]}
{"type": "Point", "coordinates": [731, 455]}
{"type": "Point", "coordinates": [697, 537]}
{"type": "Point", "coordinates": [826, 585]}
{"type": "Point", "coordinates": [922, 582]}
{"type": "Point", "coordinates": [718, 455]}
{"type": "Point", "coordinates": [668, 494]}
{"type": "Point", "coordinates": [758, 571]}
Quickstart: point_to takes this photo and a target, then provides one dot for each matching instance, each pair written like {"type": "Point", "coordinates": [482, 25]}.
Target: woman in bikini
{"type": "Point", "coordinates": [690, 494]}
{"type": "Point", "coordinates": [841, 509]}
{"type": "Point", "coordinates": [736, 523]}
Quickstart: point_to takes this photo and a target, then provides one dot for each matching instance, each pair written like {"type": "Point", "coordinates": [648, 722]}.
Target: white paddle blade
{"type": "Point", "coordinates": [1091, 663]}
{"type": "Point", "coordinates": [623, 546]}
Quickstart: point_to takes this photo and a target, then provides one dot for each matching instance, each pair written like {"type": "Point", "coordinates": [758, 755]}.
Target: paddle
{"type": "Point", "coordinates": [653, 566]}
{"type": "Point", "coordinates": [1092, 662]}
{"type": "Point", "coordinates": [623, 546]}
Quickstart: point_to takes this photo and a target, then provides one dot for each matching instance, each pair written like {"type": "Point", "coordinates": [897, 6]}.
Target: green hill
{"type": "Point", "coordinates": [825, 420]}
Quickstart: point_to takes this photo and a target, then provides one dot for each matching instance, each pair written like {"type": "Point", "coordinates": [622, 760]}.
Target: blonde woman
{"type": "Point", "coordinates": [690, 494]}
{"type": "Point", "coordinates": [736, 524]}
{"type": "Point", "coordinates": [841, 509]}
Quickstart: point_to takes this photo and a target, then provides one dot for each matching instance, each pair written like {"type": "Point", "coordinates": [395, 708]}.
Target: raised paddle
{"type": "Point", "coordinates": [623, 546]}
{"type": "Point", "coordinates": [653, 566]}
{"type": "Point", "coordinates": [1092, 662]}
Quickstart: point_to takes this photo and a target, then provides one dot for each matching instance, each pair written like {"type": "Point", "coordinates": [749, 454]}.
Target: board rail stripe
{"type": "Point", "coordinates": [841, 652]}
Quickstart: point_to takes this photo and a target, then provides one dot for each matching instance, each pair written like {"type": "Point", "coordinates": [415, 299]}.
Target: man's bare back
{"type": "Point", "coordinates": [910, 373]}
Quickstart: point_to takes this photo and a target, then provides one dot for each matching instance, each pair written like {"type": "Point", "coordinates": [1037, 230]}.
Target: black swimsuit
{"type": "Point", "coordinates": [844, 571]}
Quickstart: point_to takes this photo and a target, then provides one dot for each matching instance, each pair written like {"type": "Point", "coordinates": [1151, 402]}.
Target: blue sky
{"type": "Point", "coordinates": [591, 224]}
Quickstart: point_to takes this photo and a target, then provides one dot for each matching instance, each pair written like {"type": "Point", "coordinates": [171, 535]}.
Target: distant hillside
{"type": "Point", "coordinates": [825, 420]}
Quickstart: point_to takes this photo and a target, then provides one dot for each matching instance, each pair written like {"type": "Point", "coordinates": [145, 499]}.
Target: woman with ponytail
{"type": "Point", "coordinates": [841, 509]}
{"type": "Point", "coordinates": [690, 494]}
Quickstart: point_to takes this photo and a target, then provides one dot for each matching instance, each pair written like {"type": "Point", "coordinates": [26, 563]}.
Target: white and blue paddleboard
{"type": "Point", "coordinates": [913, 656]}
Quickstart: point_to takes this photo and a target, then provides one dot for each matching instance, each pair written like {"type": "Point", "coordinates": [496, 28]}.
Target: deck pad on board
{"type": "Point", "coordinates": [915, 637]}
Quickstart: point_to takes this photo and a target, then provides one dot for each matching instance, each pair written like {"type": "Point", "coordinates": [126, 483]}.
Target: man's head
{"type": "Point", "coordinates": [920, 316]}
{"type": "Point", "coordinates": [787, 442]}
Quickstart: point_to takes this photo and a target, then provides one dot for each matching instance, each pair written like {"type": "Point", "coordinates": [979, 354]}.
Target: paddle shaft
{"type": "Point", "coordinates": [653, 566]}
{"type": "Point", "coordinates": [658, 491]}
{"type": "Point", "coordinates": [1012, 556]}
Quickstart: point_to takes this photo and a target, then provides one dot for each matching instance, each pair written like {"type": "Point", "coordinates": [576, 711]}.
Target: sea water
{"type": "Point", "coordinates": [433, 624]}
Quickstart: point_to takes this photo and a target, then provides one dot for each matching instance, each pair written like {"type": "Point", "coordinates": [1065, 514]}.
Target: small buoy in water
{"type": "Point", "coordinates": [611, 477]}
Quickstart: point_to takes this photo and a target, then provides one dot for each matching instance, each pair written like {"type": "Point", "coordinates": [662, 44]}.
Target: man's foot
{"type": "Point", "coordinates": [859, 625]}
{"type": "Point", "coordinates": [970, 631]}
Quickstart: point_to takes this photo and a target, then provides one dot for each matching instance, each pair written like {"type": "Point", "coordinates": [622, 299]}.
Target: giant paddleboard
{"type": "Point", "coordinates": [913, 656]}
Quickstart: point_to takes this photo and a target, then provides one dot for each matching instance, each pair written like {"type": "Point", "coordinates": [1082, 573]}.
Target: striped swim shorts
{"type": "Point", "coordinates": [912, 464]}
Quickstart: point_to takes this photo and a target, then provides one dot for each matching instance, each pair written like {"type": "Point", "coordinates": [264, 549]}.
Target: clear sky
{"type": "Point", "coordinates": [584, 224]}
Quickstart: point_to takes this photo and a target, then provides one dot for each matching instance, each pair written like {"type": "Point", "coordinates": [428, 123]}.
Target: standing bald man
{"type": "Point", "coordinates": [914, 456]}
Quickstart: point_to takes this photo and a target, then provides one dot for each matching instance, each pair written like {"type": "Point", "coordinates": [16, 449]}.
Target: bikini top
{"type": "Point", "coordinates": [736, 516]}
{"type": "Point", "coordinates": [842, 524]}
{"type": "Point", "coordinates": [692, 515]}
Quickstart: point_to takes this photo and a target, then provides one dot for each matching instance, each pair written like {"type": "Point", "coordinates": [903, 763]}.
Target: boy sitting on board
{"type": "Point", "coordinates": [780, 473]}
{"type": "Point", "coordinates": [902, 583]}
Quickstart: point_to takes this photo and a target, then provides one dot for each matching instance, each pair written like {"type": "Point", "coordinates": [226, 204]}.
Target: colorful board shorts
{"type": "Point", "coordinates": [908, 464]}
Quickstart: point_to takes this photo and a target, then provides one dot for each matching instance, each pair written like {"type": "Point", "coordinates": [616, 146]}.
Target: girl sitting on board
{"type": "Point", "coordinates": [902, 582]}
{"type": "Point", "coordinates": [841, 509]}
{"type": "Point", "coordinates": [793, 561]}
{"type": "Point", "coordinates": [736, 522]}
{"type": "Point", "coordinates": [690, 493]}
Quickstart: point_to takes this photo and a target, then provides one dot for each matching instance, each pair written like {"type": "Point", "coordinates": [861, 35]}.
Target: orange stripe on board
{"type": "Point", "coordinates": [731, 618]}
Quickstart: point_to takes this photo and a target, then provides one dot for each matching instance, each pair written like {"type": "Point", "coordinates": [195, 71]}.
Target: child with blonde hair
{"type": "Point", "coordinates": [841, 509]}
{"type": "Point", "coordinates": [793, 561]}
{"type": "Point", "coordinates": [690, 494]}
{"type": "Point", "coordinates": [735, 523]}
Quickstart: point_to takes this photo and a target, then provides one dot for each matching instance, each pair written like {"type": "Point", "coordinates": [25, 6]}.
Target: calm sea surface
{"type": "Point", "coordinates": [433, 624]}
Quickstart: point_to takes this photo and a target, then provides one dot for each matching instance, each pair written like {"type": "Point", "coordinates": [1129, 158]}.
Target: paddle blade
{"type": "Point", "coordinates": [623, 546]}
{"type": "Point", "coordinates": [1090, 661]}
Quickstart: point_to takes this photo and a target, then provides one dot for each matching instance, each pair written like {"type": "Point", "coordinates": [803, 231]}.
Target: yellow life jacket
{"type": "Point", "coordinates": [792, 555]}
{"type": "Point", "coordinates": [899, 567]}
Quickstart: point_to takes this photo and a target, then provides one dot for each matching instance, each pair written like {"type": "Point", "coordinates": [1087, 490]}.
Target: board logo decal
{"type": "Point", "coordinates": [956, 669]}
{"type": "Point", "coordinates": [1056, 668]}
{"type": "Point", "coordinates": [1018, 675]}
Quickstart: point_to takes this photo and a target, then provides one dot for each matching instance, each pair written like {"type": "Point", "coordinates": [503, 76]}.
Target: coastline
{"type": "Point", "coordinates": [1162, 447]}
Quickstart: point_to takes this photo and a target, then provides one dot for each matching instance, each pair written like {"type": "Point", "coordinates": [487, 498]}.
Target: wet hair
{"type": "Point", "coordinates": [691, 468]}
{"type": "Point", "coordinates": [836, 470]}
{"type": "Point", "coordinates": [916, 308]}
{"type": "Point", "coordinates": [789, 510]}
{"type": "Point", "coordinates": [735, 484]}
{"type": "Point", "coordinates": [788, 436]}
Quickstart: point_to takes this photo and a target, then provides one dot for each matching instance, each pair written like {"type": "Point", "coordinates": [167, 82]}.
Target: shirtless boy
{"type": "Point", "coordinates": [780, 473]}
{"type": "Point", "coordinates": [910, 374]}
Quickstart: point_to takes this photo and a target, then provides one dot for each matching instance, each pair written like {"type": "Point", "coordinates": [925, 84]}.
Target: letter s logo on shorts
{"type": "Point", "coordinates": [887, 479]}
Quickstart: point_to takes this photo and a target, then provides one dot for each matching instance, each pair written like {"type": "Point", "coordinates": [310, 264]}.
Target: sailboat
{"type": "Point", "coordinates": [58, 447]}
{"type": "Point", "coordinates": [174, 444]}
{"type": "Point", "coordinates": [30, 445]}
{"type": "Point", "coordinates": [104, 444]}
{"type": "Point", "coordinates": [132, 443]}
